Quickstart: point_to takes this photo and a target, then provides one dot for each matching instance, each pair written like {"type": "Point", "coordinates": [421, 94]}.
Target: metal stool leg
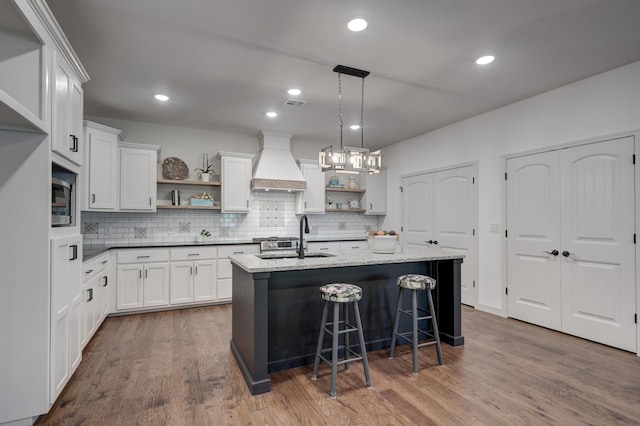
{"type": "Point", "coordinates": [395, 324]}
{"type": "Point", "coordinates": [363, 348]}
{"type": "Point", "coordinates": [334, 352]}
{"type": "Point", "coordinates": [414, 320]}
{"type": "Point", "coordinates": [434, 322]}
{"type": "Point", "coordinates": [346, 335]}
{"type": "Point", "coordinates": [323, 324]}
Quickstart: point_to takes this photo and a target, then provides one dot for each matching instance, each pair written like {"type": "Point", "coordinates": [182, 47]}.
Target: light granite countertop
{"type": "Point", "coordinates": [252, 263]}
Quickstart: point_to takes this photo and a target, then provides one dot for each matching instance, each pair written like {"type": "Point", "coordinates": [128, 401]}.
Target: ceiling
{"type": "Point", "coordinates": [225, 63]}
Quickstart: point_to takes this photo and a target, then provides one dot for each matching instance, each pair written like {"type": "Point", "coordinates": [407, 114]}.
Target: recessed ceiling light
{"type": "Point", "coordinates": [294, 92]}
{"type": "Point", "coordinates": [484, 60]}
{"type": "Point", "coordinates": [354, 126]}
{"type": "Point", "coordinates": [357, 24]}
{"type": "Point", "coordinates": [272, 114]}
{"type": "Point", "coordinates": [162, 97]}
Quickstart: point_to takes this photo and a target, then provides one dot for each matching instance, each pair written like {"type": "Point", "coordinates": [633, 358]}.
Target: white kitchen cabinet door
{"type": "Point", "coordinates": [138, 178]}
{"type": "Point", "coordinates": [312, 199]}
{"type": "Point", "coordinates": [375, 199]}
{"type": "Point", "coordinates": [156, 284]}
{"type": "Point", "coordinates": [181, 282]}
{"type": "Point", "coordinates": [129, 287]}
{"type": "Point", "coordinates": [66, 309]}
{"type": "Point", "coordinates": [236, 184]}
{"type": "Point", "coordinates": [90, 310]}
{"type": "Point", "coordinates": [66, 111]}
{"type": "Point", "coordinates": [101, 168]}
{"type": "Point", "coordinates": [204, 280]}
{"type": "Point", "coordinates": [225, 289]}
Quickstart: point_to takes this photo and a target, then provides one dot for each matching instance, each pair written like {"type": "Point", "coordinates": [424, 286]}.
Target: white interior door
{"type": "Point", "coordinates": [533, 225]}
{"type": "Point", "coordinates": [598, 225]}
{"type": "Point", "coordinates": [417, 210]}
{"type": "Point", "coordinates": [454, 221]}
{"type": "Point", "coordinates": [441, 207]}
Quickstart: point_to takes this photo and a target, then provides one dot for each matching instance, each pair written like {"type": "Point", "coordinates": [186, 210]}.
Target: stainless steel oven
{"type": "Point", "coordinates": [278, 244]}
{"type": "Point", "coordinates": [61, 202]}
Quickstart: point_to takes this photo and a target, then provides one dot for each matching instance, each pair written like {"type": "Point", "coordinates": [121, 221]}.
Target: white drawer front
{"type": "Point", "coordinates": [143, 256]}
{"type": "Point", "coordinates": [94, 266]}
{"type": "Point", "coordinates": [194, 253]}
{"type": "Point", "coordinates": [226, 251]}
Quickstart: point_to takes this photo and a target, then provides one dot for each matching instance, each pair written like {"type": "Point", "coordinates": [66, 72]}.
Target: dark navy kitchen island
{"type": "Point", "coordinates": [277, 306]}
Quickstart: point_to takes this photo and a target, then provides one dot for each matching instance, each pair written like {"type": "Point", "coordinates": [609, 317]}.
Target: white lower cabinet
{"type": "Point", "coordinates": [193, 280]}
{"type": "Point", "coordinates": [66, 311]}
{"type": "Point", "coordinates": [142, 279]}
{"type": "Point", "coordinates": [95, 295]}
{"type": "Point", "coordinates": [225, 269]}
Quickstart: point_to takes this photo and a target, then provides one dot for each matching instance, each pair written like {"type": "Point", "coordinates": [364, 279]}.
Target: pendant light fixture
{"type": "Point", "coordinates": [350, 159]}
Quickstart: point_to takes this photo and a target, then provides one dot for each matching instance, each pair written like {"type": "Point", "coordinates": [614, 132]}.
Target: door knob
{"type": "Point", "coordinates": [435, 242]}
{"type": "Point", "coordinates": [553, 252]}
{"type": "Point", "coordinates": [567, 254]}
{"type": "Point", "coordinates": [429, 242]}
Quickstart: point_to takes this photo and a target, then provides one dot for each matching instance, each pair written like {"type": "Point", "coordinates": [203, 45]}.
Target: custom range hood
{"type": "Point", "coordinates": [275, 169]}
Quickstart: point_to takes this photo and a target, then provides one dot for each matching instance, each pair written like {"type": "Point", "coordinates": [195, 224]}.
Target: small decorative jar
{"type": "Point", "coordinates": [334, 181]}
{"type": "Point", "coordinates": [353, 183]}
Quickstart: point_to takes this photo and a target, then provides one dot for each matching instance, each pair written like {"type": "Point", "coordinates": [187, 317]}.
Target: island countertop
{"type": "Point", "coordinates": [253, 264]}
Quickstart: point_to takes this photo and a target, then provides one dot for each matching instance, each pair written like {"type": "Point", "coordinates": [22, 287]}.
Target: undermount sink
{"type": "Point", "coordinates": [292, 255]}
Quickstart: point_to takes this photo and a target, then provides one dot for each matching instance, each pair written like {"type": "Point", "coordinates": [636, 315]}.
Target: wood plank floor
{"type": "Point", "coordinates": [175, 368]}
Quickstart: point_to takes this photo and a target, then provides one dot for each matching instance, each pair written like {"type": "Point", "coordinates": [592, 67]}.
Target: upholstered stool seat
{"type": "Point", "coordinates": [415, 283]}
{"type": "Point", "coordinates": [340, 295]}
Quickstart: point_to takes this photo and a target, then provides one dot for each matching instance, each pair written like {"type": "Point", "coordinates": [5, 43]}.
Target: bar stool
{"type": "Point", "coordinates": [340, 294]}
{"type": "Point", "coordinates": [415, 283]}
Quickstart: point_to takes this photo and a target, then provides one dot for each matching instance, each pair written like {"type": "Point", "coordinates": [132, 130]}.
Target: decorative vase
{"type": "Point", "coordinates": [206, 177]}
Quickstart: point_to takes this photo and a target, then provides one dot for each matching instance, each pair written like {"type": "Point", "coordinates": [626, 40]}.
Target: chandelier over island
{"type": "Point", "coordinates": [350, 159]}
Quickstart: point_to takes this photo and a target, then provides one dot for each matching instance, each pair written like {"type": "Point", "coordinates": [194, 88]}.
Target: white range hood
{"type": "Point", "coordinates": [275, 168]}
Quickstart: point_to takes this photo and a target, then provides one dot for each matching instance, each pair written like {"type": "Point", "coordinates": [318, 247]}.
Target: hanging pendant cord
{"type": "Point", "coordinates": [340, 107]}
{"type": "Point", "coordinates": [362, 116]}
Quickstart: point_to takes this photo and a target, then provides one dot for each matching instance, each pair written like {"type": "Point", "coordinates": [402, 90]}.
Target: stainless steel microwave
{"type": "Point", "coordinates": [61, 193]}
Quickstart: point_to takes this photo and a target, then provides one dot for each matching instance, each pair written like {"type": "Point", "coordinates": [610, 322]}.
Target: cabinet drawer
{"type": "Point", "coordinates": [226, 251]}
{"type": "Point", "coordinates": [143, 256]}
{"type": "Point", "coordinates": [94, 266]}
{"type": "Point", "coordinates": [195, 253]}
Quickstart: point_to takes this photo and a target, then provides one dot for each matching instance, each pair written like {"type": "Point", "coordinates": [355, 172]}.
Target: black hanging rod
{"type": "Point", "coordinates": [351, 71]}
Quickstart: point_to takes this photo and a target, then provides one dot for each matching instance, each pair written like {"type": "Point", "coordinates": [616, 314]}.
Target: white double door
{"type": "Point", "coordinates": [439, 209]}
{"type": "Point", "coordinates": [570, 243]}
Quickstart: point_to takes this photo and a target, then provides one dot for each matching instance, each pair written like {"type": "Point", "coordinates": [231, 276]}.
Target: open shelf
{"type": "Point", "coordinates": [330, 189]}
{"type": "Point", "coordinates": [186, 182]}
{"type": "Point", "coordinates": [189, 207]}
{"type": "Point", "coordinates": [345, 210]}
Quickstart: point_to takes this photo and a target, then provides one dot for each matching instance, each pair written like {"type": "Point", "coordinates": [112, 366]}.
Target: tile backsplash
{"type": "Point", "coordinates": [272, 214]}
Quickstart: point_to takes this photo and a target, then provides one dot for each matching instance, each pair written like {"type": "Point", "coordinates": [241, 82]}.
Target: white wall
{"type": "Point", "coordinates": [605, 104]}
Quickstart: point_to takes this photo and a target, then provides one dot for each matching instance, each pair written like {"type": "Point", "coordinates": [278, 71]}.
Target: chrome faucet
{"type": "Point", "coordinates": [303, 218]}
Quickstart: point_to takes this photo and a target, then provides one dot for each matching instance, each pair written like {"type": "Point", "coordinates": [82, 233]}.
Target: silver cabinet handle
{"type": "Point", "coordinates": [140, 273]}
{"type": "Point", "coordinates": [324, 248]}
{"type": "Point", "coordinates": [106, 281]}
{"type": "Point", "coordinates": [196, 270]}
{"type": "Point", "coordinates": [143, 257]}
{"type": "Point", "coordinates": [370, 206]}
{"type": "Point", "coordinates": [193, 254]}
{"type": "Point", "coordinates": [146, 273]}
{"type": "Point", "coordinates": [104, 261]}
{"type": "Point", "coordinates": [238, 252]}
{"type": "Point", "coordinates": [190, 270]}
{"type": "Point", "coordinates": [93, 198]}
{"type": "Point", "coordinates": [89, 271]}
{"type": "Point", "coordinates": [149, 200]}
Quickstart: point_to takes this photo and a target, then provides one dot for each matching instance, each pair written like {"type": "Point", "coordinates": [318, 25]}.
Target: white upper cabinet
{"type": "Point", "coordinates": [375, 199]}
{"type": "Point", "coordinates": [100, 179]}
{"type": "Point", "coordinates": [311, 200]}
{"type": "Point", "coordinates": [236, 182]}
{"type": "Point", "coordinates": [66, 137]}
{"type": "Point", "coordinates": [138, 177]}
